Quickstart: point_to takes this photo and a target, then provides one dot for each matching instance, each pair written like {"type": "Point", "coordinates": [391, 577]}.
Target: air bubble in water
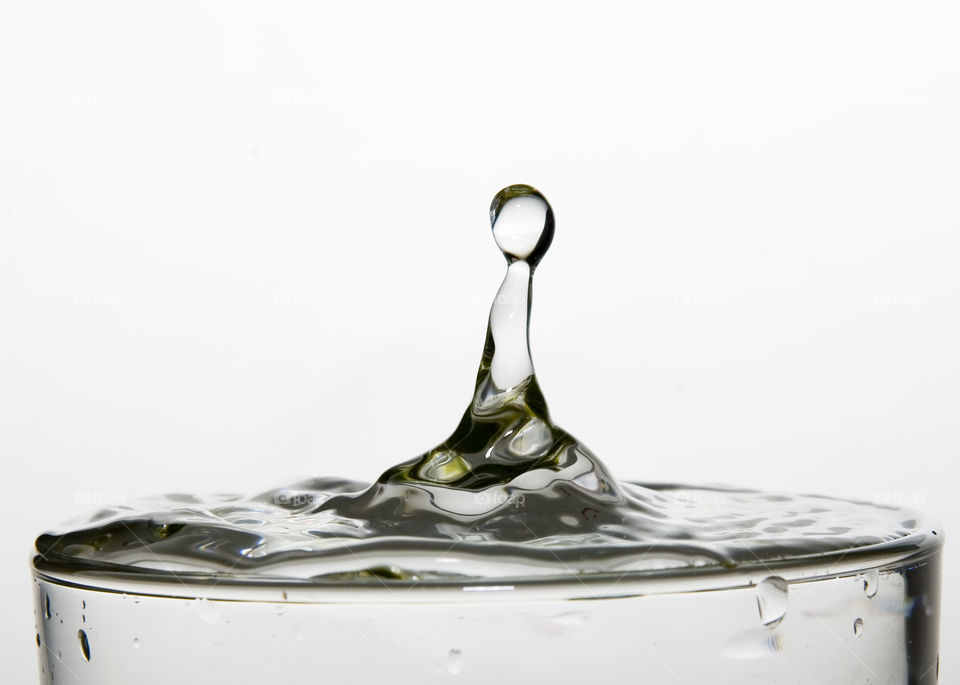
{"type": "Point", "coordinates": [84, 645]}
{"type": "Point", "coordinates": [454, 661]}
{"type": "Point", "coordinates": [858, 627]}
{"type": "Point", "coordinates": [772, 600]}
{"type": "Point", "coordinates": [871, 583]}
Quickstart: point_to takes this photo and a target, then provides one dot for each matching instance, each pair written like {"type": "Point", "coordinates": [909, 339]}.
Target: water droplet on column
{"type": "Point", "coordinates": [772, 600]}
{"type": "Point", "coordinates": [46, 606]}
{"type": "Point", "coordinates": [858, 627]}
{"type": "Point", "coordinates": [522, 223]}
{"type": "Point", "coordinates": [871, 583]}
{"type": "Point", "coordinates": [84, 645]}
{"type": "Point", "coordinates": [454, 661]}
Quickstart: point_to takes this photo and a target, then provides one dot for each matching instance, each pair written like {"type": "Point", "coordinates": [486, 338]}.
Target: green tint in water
{"type": "Point", "coordinates": [507, 495]}
{"type": "Point", "coordinates": [506, 442]}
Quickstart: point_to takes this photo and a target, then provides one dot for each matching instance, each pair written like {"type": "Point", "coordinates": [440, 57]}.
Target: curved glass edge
{"type": "Point", "coordinates": [887, 557]}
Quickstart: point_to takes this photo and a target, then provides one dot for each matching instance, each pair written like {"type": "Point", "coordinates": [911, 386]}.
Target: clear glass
{"type": "Point", "coordinates": [870, 621]}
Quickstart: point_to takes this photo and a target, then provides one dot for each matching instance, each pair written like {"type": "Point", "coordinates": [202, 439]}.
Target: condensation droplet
{"type": "Point", "coordinates": [84, 645]}
{"type": "Point", "coordinates": [38, 639]}
{"type": "Point", "coordinates": [858, 627]}
{"type": "Point", "coordinates": [136, 643]}
{"type": "Point", "coordinates": [772, 600]}
{"type": "Point", "coordinates": [46, 607]}
{"type": "Point", "coordinates": [454, 661]}
{"type": "Point", "coordinates": [871, 583]}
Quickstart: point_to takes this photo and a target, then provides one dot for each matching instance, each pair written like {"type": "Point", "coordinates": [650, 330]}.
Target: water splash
{"type": "Point", "coordinates": [507, 494]}
{"type": "Point", "coordinates": [506, 446]}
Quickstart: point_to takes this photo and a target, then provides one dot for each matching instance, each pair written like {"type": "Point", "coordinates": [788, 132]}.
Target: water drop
{"type": "Point", "coordinates": [46, 607]}
{"type": "Point", "coordinates": [38, 639]}
{"type": "Point", "coordinates": [84, 645]}
{"type": "Point", "coordinates": [858, 627]}
{"type": "Point", "coordinates": [871, 583]}
{"type": "Point", "coordinates": [772, 600]}
{"type": "Point", "coordinates": [522, 223]}
{"type": "Point", "coordinates": [454, 661]}
{"type": "Point", "coordinates": [136, 643]}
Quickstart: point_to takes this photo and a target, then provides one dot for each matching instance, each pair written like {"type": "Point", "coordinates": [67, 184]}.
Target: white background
{"type": "Point", "coordinates": [242, 245]}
